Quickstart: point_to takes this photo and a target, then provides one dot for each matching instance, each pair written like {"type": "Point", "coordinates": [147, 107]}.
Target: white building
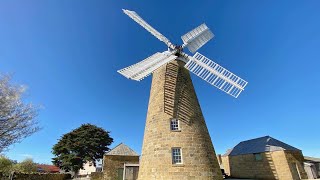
{"type": "Point", "coordinates": [88, 168]}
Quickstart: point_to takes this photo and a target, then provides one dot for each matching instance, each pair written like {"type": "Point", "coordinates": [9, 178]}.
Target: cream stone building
{"type": "Point", "coordinates": [177, 144]}
{"type": "Point", "coordinates": [120, 163]}
{"type": "Point", "coordinates": [264, 158]}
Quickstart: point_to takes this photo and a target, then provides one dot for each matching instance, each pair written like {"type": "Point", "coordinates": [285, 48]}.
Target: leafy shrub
{"type": "Point", "coordinates": [39, 176]}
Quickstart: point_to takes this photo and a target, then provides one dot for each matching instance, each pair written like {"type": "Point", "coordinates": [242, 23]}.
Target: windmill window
{"type": "Point", "coordinates": [176, 156]}
{"type": "Point", "coordinates": [257, 156]}
{"type": "Point", "coordinates": [174, 125]}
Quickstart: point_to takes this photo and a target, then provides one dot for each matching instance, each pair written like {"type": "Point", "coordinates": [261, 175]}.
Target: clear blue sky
{"type": "Point", "coordinates": [68, 52]}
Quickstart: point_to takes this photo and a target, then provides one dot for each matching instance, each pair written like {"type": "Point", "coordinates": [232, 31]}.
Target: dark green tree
{"type": "Point", "coordinates": [86, 143]}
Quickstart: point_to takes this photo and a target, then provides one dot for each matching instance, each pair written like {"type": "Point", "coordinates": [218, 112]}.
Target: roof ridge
{"type": "Point", "coordinates": [257, 138]}
{"type": "Point", "coordinates": [130, 148]}
{"type": "Point", "coordinates": [261, 144]}
{"type": "Point", "coordinates": [114, 147]}
{"type": "Point", "coordinates": [122, 149]}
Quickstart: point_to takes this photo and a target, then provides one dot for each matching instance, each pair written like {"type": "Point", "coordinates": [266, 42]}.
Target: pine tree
{"type": "Point", "coordinates": [87, 143]}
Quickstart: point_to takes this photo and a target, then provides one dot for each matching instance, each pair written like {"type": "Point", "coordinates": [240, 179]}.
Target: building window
{"type": "Point", "coordinates": [257, 156]}
{"type": "Point", "coordinates": [174, 125]}
{"type": "Point", "coordinates": [176, 156]}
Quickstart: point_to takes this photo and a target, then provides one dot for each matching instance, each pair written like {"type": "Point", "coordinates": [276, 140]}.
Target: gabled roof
{"type": "Point", "coordinates": [258, 145]}
{"type": "Point", "coordinates": [227, 153]}
{"type": "Point", "coordinates": [122, 150]}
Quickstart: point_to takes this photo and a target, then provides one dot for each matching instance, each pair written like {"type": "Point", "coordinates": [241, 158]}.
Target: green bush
{"type": "Point", "coordinates": [26, 166]}
{"type": "Point", "coordinates": [5, 166]}
{"type": "Point", "coordinates": [39, 176]}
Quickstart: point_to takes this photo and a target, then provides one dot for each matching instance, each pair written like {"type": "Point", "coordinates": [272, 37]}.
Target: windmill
{"type": "Point", "coordinates": [176, 135]}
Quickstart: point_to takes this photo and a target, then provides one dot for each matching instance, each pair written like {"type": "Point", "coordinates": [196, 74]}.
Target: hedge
{"type": "Point", "coordinates": [38, 176]}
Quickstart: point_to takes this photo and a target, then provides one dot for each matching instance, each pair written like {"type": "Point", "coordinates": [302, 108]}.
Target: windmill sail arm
{"type": "Point", "coordinates": [216, 75]}
{"type": "Point", "coordinates": [133, 15]}
{"type": "Point", "coordinates": [145, 67]}
{"type": "Point", "coordinates": [196, 38]}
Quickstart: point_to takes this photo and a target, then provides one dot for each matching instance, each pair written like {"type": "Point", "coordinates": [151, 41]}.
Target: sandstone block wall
{"type": "Point", "coordinates": [172, 95]}
{"type": "Point", "coordinates": [282, 165]}
{"type": "Point", "coordinates": [226, 165]}
{"type": "Point", "coordinates": [245, 166]}
{"type": "Point", "coordinates": [111, 164]}
{"type": "Point", "coordinates": [295, 161]}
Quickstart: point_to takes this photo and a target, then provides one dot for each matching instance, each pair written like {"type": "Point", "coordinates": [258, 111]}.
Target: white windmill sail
{"type": "Point", "coordinates": [144, 68]}
{"type": "Point", "coordinates": [133, 15]}
{"type": "Point", "coordinates": [200, 65]}
{"type": "Point", "coordinates": [216, 75]}
{"type": "Point", "coordinates": [196, 38]}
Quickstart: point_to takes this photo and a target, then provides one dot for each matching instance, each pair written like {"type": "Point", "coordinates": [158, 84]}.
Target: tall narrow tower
{"type": "Point", "coordinates": [177, 144]}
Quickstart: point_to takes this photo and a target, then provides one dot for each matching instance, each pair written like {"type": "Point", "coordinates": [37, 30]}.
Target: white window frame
{"type": "Point", "coordinates": [178, 124]}
{"type": "Point", "coordinates": [173, 156]}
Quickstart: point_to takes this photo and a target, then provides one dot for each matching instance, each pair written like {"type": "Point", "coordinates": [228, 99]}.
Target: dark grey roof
{"type": "Point", "coordinates": [122, 150]}
{"type": "Point", "coordinates": [258, 145]}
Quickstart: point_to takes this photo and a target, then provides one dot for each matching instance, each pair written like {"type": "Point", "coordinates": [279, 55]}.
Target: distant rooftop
{"type": "Point", "coordinates": [307, 158]}
{"type": "Point", "coordinates": [47, 168]}
{"type": "Point", "coordinates": [227, 153]}
{"type": "Point", "coordinates": [122, 150]}
{"type": "Point", "coordinates": [258, 145]}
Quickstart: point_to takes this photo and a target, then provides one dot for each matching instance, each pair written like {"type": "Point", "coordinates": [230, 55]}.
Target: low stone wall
{"type": "Point", "coordinates": [36, 176]}
{"type": "Point", "coordinates": [97, 176]}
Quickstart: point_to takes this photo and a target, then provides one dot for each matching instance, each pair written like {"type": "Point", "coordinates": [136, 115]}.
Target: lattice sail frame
{"type": "Point", "coordinates": [216, 75]}
{"type": "Point", "coordinates": [133, 15]}
{"type": "Point", "coordinates": [145, 67]}
{"type": "Point", "coordinates": [197, 37]}
{"type": "Point", "coordinates": [200, 65]}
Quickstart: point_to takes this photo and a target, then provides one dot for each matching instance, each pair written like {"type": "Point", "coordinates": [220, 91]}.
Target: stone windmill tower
{"type": "Point", "coordinates": [177, 144]}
